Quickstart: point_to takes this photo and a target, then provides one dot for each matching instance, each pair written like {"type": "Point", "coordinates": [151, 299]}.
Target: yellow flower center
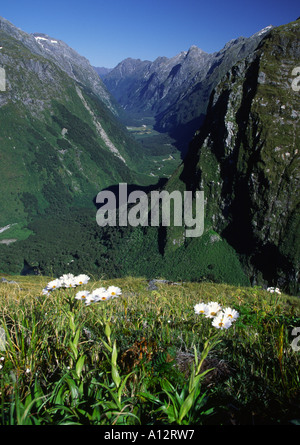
{"type": "Point", "coordinates": [221, 324]}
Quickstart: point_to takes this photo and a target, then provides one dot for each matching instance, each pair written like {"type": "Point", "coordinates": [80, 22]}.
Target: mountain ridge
{"type": "Point", "coordinates": [64, 56]}
{"type": "Point", "coordinates": [175, 91]}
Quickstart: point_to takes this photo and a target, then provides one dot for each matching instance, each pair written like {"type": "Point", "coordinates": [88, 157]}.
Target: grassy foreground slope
{"type": "Point", "coordinates": [136, 359]}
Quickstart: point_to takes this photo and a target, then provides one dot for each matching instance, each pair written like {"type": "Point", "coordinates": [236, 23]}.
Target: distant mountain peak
{"type": "Point", "coordinates": [195, 51]}
{"type": "Point", "coordinates": [196, 48]}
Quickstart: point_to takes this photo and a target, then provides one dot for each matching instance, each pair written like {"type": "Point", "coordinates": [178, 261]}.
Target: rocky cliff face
{"type": "Point", "coordinates": [246, 159]}
{"type": "Point", "coordinates": [72, 63]}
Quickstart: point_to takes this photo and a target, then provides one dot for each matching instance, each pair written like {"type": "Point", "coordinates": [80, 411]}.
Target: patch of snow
{"type": "Point", "coordinates": [264, 30]}
{"type": "Point", "coordinates": [40, 38]}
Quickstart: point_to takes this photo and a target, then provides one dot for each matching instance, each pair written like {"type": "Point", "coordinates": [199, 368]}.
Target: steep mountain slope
{"type": "Point", "coordinates": [246, 159]}
{"type": "Point", "coordinates": [75, 65]}
{"type": "Point", "coordinates": [176, 91]}
{"type": "Point", "coordinates": [60, 141]}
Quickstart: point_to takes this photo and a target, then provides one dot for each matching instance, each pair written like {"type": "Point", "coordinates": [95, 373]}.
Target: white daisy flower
{"type": "Point", "coordinates": [212, 309]}
{"type": "Point", "coordinates": [103, 297]}
{"type": "Point", "coordinates": [114, 291]}
{"type": "Point", "coordinates": [68, 280]}
{"type": "Point", "coordinates": [66, 277]}
{"type": "Point", "coordinates": [89, 299]}
{"type": "Point", "coordinates": [54, 284]}
{"type": "Point", "coordinates": [221, 321]}
{"type": "Point", "coordinates": [81, 279]}
{"type": "Point", "coordinates": [201, 308]}
{"type": "Point", "coordinates": [273, 290]}
{"type": "Point", "coordinates": [70, 283]}
{"type": "Point", "coordinates": [101, 294]}
{"type": "Point", "coordinates": [82, 295]}
{"type": "Point", "coordinates": [231, 313]}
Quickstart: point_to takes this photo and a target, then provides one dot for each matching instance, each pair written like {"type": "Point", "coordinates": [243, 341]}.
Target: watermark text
{"type": "Point", "coordinates": [2, 79]}
{"type": "Point", "coordinates": [296, 81]}
{"type": "Point", "coordinates": [140, 209]}
{"type": "Point", "coordinates": [294, 344]}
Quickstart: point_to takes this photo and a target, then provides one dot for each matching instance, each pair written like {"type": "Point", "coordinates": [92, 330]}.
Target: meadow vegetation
{"type": "Point", "coordinates": [146, 357]}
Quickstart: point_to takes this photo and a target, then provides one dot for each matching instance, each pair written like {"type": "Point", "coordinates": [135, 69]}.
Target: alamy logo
{"type": "Point", "coordinates": [2, 339]}
{"type": "Point", "coordinates": [296, 340]}
{"type": "Point", "coordinates": [188, 210]}
{"type": "Point", "coordinates": [296, 81]}
{"type": "Point", "coordinates": [2, 79]}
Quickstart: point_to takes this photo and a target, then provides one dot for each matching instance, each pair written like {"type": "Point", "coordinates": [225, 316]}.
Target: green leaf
{"type": "Point", "coordinates": [26, 417]}
{"type": "Point", "coordinates": [76, 338]}
{"type": "Point", "coordinates": [167, 386]}
{"type": "Point", "coordinates": [79, 365]}
{"type": "Point", "coordinates": [114, 355]}
{"type": "Point", "coordinates": [116, 376]}
{"type": "Point", "coordinates": [186, 406]}
{"type": "Point", "coordinates": [73, 388]}
{"type": "Point", "coordinates": [150, 397]}
{"type": "Point", "coordinates": [122, 385]}
{"type": "Point", "coordinates": [200, 376]}
{"type": "Point", "coordinates": [114, 370]}
{"type": "Point", "coordinates": [107, 345]}
{"type": "Point", "coordinates": [108, 332]}
{"type": "Point", "coordinates": [71, 321]}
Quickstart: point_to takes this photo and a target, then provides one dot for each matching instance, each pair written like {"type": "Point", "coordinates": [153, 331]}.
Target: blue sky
{"type": "Point", "coordinates": [107, 32]}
